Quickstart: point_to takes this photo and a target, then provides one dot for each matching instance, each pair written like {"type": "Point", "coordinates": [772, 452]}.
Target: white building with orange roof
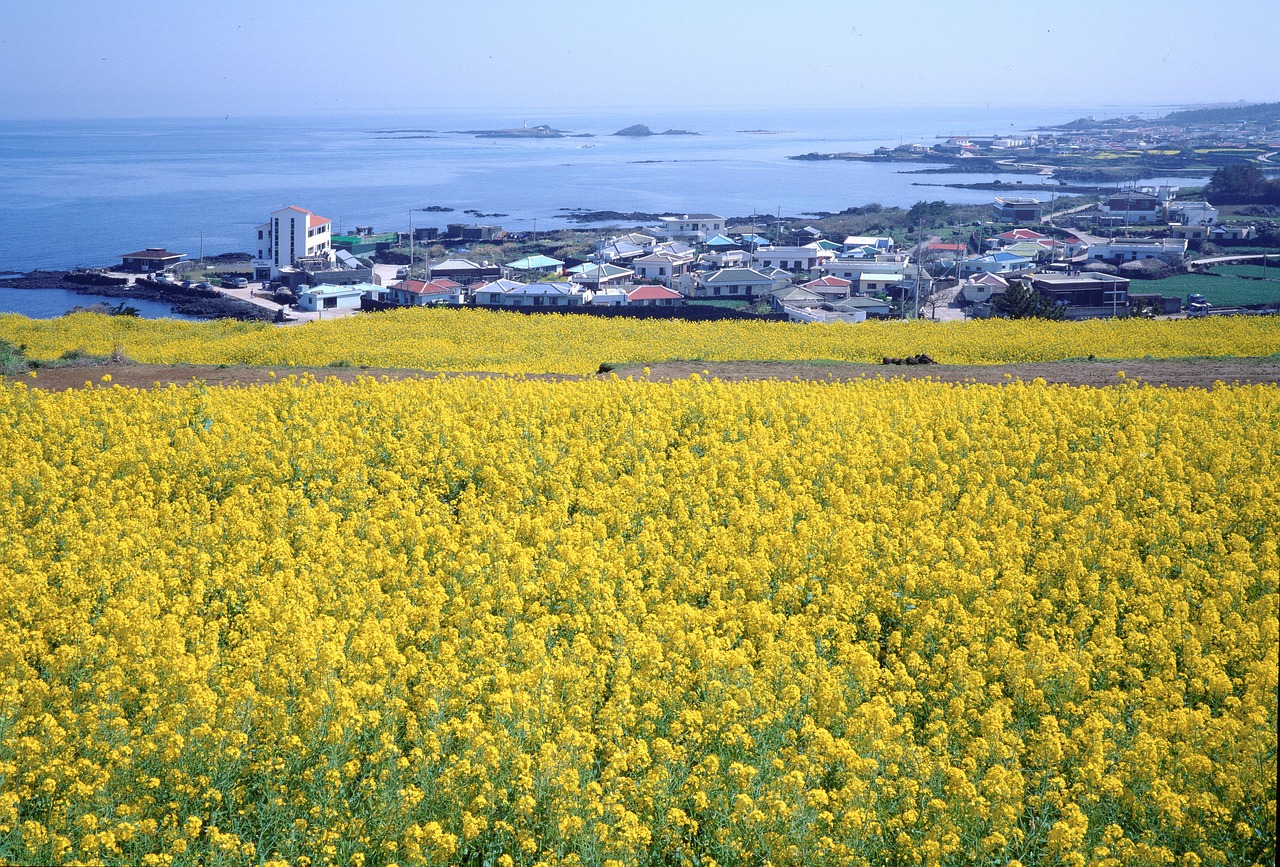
{"type": "Point", "coordinates": [291, 233]}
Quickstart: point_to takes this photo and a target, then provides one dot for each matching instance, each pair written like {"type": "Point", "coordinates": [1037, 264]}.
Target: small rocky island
{"type": "Point", "coordinates": [540, 131]}
{"type": "Point", "coordinates": [640, 130]}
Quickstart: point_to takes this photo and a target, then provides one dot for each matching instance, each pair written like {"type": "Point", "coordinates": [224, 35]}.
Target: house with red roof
{"type": "Point", "coordinates": [654, 296]}
{"type": "Point", "coordinates": [423, 293]}
{"type": "Point", "coordinates": [1015, 236]}
{"type": "Point", "coordinates": [829, 287]}
{"type": "Point", "coordinates": [291, 233]}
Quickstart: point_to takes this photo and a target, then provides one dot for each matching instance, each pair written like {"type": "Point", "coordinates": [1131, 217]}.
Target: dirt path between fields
{"type": "Point", "coordinates": [1195, 373]}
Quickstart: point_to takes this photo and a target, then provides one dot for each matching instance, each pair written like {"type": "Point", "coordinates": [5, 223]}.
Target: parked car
{"type": "Point", "coordinates": [203, 285]}
{"type": "Point", "coordinates": [237, 283]}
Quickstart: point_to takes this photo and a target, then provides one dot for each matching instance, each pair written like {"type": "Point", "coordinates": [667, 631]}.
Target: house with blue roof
{"type": "Point", "coordinates": [537, 264]}
{"type": "Point", "coordinates": [995, 263]}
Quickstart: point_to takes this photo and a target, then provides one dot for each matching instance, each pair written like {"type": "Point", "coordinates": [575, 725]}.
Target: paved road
{"type": "Point", "coordinates": [1222, 260]}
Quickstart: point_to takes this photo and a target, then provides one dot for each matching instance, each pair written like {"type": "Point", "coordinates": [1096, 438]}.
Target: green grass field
{"type": "Point", "coordinates": [1227, 290]}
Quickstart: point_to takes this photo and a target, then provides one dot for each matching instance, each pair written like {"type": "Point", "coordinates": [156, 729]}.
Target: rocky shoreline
{"type": "Point", "coordinates": [200, 303]}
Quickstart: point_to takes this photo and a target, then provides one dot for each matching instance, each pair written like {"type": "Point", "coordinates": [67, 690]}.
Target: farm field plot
{"type": "Point", "coordinates": [605, 622]}
{"type": "Point", "coordinates": [1225, 287]}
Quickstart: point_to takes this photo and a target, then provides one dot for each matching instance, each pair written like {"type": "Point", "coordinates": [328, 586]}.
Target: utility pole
{"type": "Point", "coordinates": [409, 273]}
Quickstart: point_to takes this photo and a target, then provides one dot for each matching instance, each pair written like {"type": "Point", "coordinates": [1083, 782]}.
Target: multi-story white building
{"type": "Point", "coordinates": [290, 234]}
{"type": "Point", "coordinates": [691, 227]}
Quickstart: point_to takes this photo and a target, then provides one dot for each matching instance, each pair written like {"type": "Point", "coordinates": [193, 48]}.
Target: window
{"type": "Point", "coordinates": [330, 303]}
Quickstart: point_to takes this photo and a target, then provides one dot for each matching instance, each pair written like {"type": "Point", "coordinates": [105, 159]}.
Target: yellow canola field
{"type": "Point", "coordinates": [609, 622]}
{"type": "Point", "coordinates": [486, 340]}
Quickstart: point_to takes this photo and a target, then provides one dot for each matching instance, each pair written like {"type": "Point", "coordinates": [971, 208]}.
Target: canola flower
{"type": "Point", "coordinates": [503, 342]}
{"type": "Point", "coordinates": [609, 622]}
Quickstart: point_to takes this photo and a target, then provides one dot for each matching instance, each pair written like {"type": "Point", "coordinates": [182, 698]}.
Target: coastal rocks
{"type": "Point", "coordinates": [202, 303]}
{"type": "Point", "coordinates": [581, 215]}
{"type": "Point", "coordinates": [640, 130]}
{"type": "Point", "coordinates": [94, 278]}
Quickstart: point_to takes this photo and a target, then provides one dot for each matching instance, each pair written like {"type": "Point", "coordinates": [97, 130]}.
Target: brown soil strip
{"type": "Point", "coordinates": [1181, 373]}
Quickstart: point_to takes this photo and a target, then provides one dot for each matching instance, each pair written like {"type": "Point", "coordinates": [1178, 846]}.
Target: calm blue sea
{"type": "Point", "coordinates": [81, 193]}
{"type": "Point", "coordinates": [50, 303]}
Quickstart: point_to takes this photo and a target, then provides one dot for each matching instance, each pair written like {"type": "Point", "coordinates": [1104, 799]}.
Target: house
{"type": "Point", "coordinates": [1012, 209]}
{"type": "Point", "coordinates": [675, 248]}
{"type": "Point", "coordinates": [807, 235]}
{"type": "Point", "coordinates": [654, 296]}
{"type": "Point", "coordinates": [737, 283]}
{"type": "Point", "coordinates": [537, 264]}
{"type": "Point", "coordinates": [1086, 295]}
{"type": "Point", "coordinates": [874, 308]}
{"type": "Point", "coordinates": [718, 243]}
{"type": "Point", "coordinates": [1015, 236]}
{"type": "Point", "coordinates": [594, 276]}
{"type": "Point", "coordinates": [727, 259]}
{"type": "Point", "coordinates": [872, 283]}
{"type": "Point", "coordinates": [662, 266]}
{"type": "Point", "coordinates": [619, 251]}
{"type": "Point", "coordinates": [472, 233]}
{"type": "Point", "coordinates": [639, 239]}
{"type": "Point", "coordinates": [1189, 233]}
{"type": "Point", "coordinates": [994, 263]}
{"type": "Point", "coordinates": [491, 294]}
{"type": "Point", "coordinates": [1036, 251]}
{"type": "Point", "coordinates": [1193, 213]}
{"type": "Point", "coordinates": [981, 287]}
{"type": "Point", "coordinates": [853, 269]}
{"type": "Point", "coordinates": [465, 271]}
{"type": "Point", "coordinates": [1132, 207]}
{"type": "Point", "coordinates": [942, 251]}
{"type": "Point", "coordinates": [878, 243]}
{"type": "Point", "coordinates": [363, 243]}
{"type": "Point", "coordinates": [1232, 233]}
{"type": "Point", "coordinates": [829, 288]}
{"type": "Point", "coordinates": [792, 258]}
{"type": "Point", "coordinates": [793, 296]}
{"type": "Point", "coordinates": [422, 293]}
{"type": "Point", "coordinates": [291, 233]}
{"type": "Point", "coordinates": [150, 259]}
{"type": "Point", "coordinates": [326, 296]}
{"type": "Point", "coordinates": [1117, 250]}
{"type": "Point", "coordinates": [544, 295]}
{"type": "Point", "coordinates": [610, 296]}
{"type": "Point", "coordinates": [690, 227]}
{"type": "Point", "coordinates": [823, 314]}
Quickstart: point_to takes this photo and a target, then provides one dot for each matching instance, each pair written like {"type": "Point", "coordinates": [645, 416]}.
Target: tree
{"type": "Point", "coordinates": [1020, 301]}
{"type": "Point", "coordinates": [1241, 183]}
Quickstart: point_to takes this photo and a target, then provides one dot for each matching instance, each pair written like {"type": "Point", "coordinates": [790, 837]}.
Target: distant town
{"type": "Point", "coordinates": [1122, 250]}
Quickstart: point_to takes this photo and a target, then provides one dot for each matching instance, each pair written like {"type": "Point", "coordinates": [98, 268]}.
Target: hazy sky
{"type": "Point", "coordinates": [88, 58]}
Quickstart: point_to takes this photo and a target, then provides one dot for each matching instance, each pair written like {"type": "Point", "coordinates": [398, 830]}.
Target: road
{"type": "Point", "coordinates": [1223, 260]}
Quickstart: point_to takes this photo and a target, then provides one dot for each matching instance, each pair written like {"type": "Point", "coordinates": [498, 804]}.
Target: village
{"type": "Point", "coordinates": [301, 269]}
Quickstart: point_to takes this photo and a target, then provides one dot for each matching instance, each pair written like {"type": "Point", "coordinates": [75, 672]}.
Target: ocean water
{"type": "Point", "coordinates": [51, 303]}
{"type": "Point", "coordinates": [84, 192]}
